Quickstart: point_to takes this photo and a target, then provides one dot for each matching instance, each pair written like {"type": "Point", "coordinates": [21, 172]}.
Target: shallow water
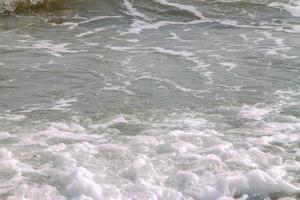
{"type": "Point", "coordinates": [150, 99]}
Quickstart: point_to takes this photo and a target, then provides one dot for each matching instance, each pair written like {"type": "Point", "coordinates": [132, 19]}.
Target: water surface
{"type": "Point", "coordinates": [150, 99]}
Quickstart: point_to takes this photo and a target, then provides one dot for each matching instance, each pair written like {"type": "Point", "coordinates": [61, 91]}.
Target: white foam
{"type": "Point", "coordinates": [132, 40]}
{"type": "Point", "coordinates": [58, 105]}
{"type": "Point", "coordinates": [63, 104]}
{"type": "Point", "coordinates": [278, 41]}
{"type": "Point", "coordinates": [12, 117]}
{"type": "Point", "coordinates": [120, 88]}
{"type": "Point", "coordinates": [97, 18]}
{"type": "Point", "coordinates": [47, 45]}
{"type": "Point", "coordinates": [96, 30]}
{"type": "Point", "coordinates": [19, 194]}
{"type": "Point", "coordinates": [138, 26]}
{"type": "Point", "coordinates": [183, 53]}
{"type": "Point", "coordinates": [181, 156]}
{"type": "Point", "coordinates": [254, 112]}
{"type": "Point", "coordinates": [133, 11]}
{"type": "Point", "coordinates": [255, 183]}
{"type": "Point", "coordinates": [188, 8]}
{"type": "Point", "coordinates": [8, 165]}
{"type": "Point", "coordinates": [73, 25]}
{"type": "Point", "coordinates": [230, 65]}
{"type": "Point", "coordinates": [53, 49]}
{"type": "Point", "coordinates": [172, 83]}
{"type": "Point", "coordinates": [139, 170]}
{"type": "Point", "coordinates": [80, 182]}
{"type": "Point", "coordinates": [198, 65]}
{"type": "Point", "coordinates": [293, 28]}
{"type": "Point", "coordinates": [296, 28]}
{"type": "Point", "coordinates": [293, 7]}
{"type": "Point", "coordinates": [262, 183]}
{"type": "Point", "coordinates": [176, 37]}
{"type": "Point", "coordinates": [4, 135]}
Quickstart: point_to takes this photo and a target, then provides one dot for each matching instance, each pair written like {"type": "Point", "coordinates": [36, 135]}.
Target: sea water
{"type": "Point", "coordinates": [150, 99]}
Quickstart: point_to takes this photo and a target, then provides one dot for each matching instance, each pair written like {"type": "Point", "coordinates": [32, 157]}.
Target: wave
{"type": "Point", "coordinates": [52, 5]}
{"type": "Point", "coordinates": [17, 6]}
{"type": "Point", "coordinates": [30, 5]}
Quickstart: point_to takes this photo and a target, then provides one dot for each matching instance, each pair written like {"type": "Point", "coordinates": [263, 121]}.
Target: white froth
{"type": "Point", "coordinates": [81, 183]}
{"type": "Point", "coordinates": [230, 65]}
{"type": "Point", "coordinates": [190, 159]}
{"type": "Point", "coordinates": [184, 54]}
{"type": "Point", "coordinates": [53, 49]}
{"type": "Point", "coordinates": [293, 6]}
{"type": "Point", "coordinates": [12, 117]}
{"type": "Point", "coordinates": [133, 11]}
{"type": "Point", "coordinates": [96, 30]}
{"type": "Point", "coordinates": [176, 37]}
{"type": "Point", "coordinates": [8, 165]}
{"type": "Point", "coordinates": [63, 104]}
{"type": "Point", "coordinates": [58, 105]}
{"type": "Point", "coordinates": [253, 112]}
{"type": "Point", "coordinates": [138, 26]}
{"type": "Point", "coordinates": [85, 21]}
{"type": "Point", "coordinates": [56, 50]}
{"type": "Point", "coordinates": [184, 7]}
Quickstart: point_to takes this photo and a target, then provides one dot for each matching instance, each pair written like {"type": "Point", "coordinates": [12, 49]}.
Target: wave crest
{"type": "Point", "coordinates": [29, 5]}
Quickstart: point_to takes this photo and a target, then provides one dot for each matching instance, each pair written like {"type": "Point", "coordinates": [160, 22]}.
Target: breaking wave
{"type": "Point", "coordinates": [30, 5]}
{"type": "Point", "coordinates": [52, 5]}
